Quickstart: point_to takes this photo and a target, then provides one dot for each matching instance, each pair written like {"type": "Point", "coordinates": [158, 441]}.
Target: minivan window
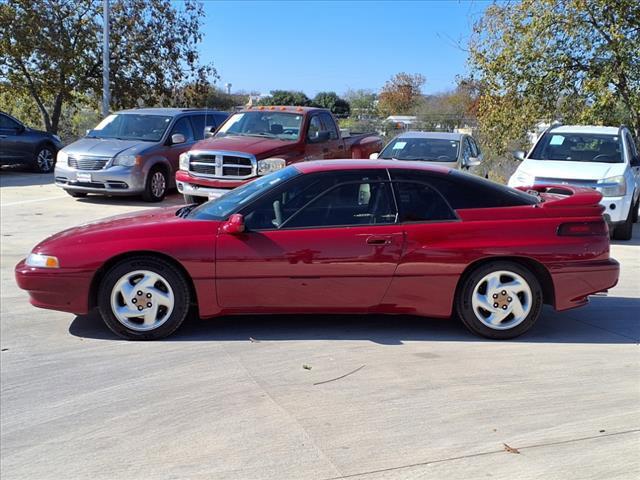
{"type": "Point", "coordinates": [198, 122]}
{"type": "Point", "coordinates": [184, 127]}
{"type": "Point", "coordinates": [578, 147]}
{"type": "Point", "coordinates": [132, 126]}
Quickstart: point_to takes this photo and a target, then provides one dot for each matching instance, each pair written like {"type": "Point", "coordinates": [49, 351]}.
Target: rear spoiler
{"type": "Point", "coordinates": [564, 195]}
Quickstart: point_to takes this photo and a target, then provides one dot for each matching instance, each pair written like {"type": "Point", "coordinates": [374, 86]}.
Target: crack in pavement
{"type": "Point", "coordinates": [482, 454]}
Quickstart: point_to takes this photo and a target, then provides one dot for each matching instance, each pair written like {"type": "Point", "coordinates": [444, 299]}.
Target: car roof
{"type": "Point", "coordinates": [285, 108]}
{"type": "Point", "coordinates": [586, 129]}
{"type": "Point", "coordinates": [171, 112]}
{"type": "Point", "coordinates": [434, 135]}
{"type": "Point", "coordinates": [355, 164]}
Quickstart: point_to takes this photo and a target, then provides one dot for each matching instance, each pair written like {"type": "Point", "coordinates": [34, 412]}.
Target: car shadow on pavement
{"type": "Point", "coordinates": [607, 320]}
{"type": "Point", "coordinates": [172, 199]}
{"type": "Point", "coordinates": [23, 176]}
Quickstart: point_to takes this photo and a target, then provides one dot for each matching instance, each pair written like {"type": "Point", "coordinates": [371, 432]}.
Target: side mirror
{"type": "Point", "coordinates": [209, 131]}
{"type": "Point", "coordinates": [519, 155]}
{"type": "Point", "coordinates": [374, 156]}
{"type": "Point", "coordinates": [177, 138]}
{"type": "Point", "coordinates": [473, 161]}
{"type": "Point", "coordinates": [234, 225]}
{"type": "Point", "coordinates": [321, 137]}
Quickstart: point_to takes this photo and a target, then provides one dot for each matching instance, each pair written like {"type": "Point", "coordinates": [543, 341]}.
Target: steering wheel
{"type": "Point", "coordinates": [602, 155]}
{"type": "Point", "coordinates": [290, 131]}
{"type": "Point", "coordinates": [443, 158]}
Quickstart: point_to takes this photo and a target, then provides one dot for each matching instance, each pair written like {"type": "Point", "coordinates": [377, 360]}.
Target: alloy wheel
{"type": "Point", "coordinates": [502, 300]}
{"type": "Point", "coordinates": [45, 160]}
{"type": "Point", "coordinates": [158, 184]}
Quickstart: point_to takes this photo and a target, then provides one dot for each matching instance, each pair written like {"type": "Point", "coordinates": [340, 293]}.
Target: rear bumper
{"type": "Point", "coordinates": [573, 282]}
{"type": "Point", "coordinates": [188, 184]}
{"type": "Point", "coordinates": [61, 289]}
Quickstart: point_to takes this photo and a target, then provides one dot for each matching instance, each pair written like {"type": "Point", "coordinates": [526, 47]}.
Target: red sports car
{"type": "Point", "coordinates": [335, 237]}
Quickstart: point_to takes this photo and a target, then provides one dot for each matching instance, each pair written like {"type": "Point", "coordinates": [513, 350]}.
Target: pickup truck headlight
{"type": "Point", "coordinates": [62, 158]}
{"type": "Point", "coordinates": [269, 165]}
{"type": "Point", "coordinates": [127, 160]}
{"type": "Point", "coordinates": [42, 261]}
{"type": "Point", "coordinates": [613, 186]}
{"type": "Point", "coordinates": [184, 161]}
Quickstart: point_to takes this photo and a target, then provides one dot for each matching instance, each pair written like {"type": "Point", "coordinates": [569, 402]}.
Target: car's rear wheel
{"type": "Point", "coordinates": [625, 231]}
{"type": "Point", "coordinates": [499, 300]}
{"type": "Point", "coordinates": [44, 160]}
{"type": "Point", "coordinates": [156, 186]}
{"type": "Point", "coordinates": [189, 199]}
{"type": "Point", "coordinates": [143, 298]}
{"type": "Point", "coordinates": [76, 194]}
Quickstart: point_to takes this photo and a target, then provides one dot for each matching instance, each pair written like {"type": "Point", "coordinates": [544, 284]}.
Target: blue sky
{"type": "Point", "coordinates": [336, 45]}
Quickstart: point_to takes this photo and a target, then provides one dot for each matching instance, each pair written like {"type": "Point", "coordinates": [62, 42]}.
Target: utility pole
{"type": "Point", "coordinates": [105, 58]}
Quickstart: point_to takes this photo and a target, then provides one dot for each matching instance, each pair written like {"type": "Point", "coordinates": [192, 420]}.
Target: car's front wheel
{"type": "Point", "coordinates": [143, 298]}
{"type": "Point", "coordinates": [625, 231]}
{"type": "Point", "coordinates": [156, 187]}
{"type": "Point", "coordinates": [499, 300]}
{"type": "Point", "coordinates": [44, 160]}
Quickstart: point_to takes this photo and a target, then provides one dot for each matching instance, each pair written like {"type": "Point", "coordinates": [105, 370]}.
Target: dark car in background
{"type": "Point", "coordinates": [133, 152]}
{"type": "Point", "coordinates": [20, 144]}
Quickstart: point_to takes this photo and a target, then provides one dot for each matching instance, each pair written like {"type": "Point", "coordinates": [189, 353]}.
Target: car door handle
{"type": "Point", "coordinates": [378, 240]}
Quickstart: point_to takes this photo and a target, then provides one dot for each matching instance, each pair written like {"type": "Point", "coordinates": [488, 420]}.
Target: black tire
{"type": "Point", "coordinates": [189, 199]}
{"type": "Point", "coordinates": [168, 273]}
{"type": "Point", "coordinates": [625, 231]}
{"type": "Point", "coordinates": [76, 194]}
{"type": "Point", "coordinates": [152, 191]}
{"type": "Point", "coordinates": [44, 160]}
{"type": "Point", "coordinates": [635, 211]}
{"type": "Point", "coordinates": [465, 310]}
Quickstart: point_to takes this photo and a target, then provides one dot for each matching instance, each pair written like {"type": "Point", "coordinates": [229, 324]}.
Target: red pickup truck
{"type": "Point", "coordinates": [260, 140]}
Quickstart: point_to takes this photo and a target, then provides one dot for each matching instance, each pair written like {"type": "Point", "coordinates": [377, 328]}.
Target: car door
{"type": "Point", "coordinates": [12, 147]}
{"type": "Point", "coordinates": [172, 151]}
{"type": "Point", "coordinates": [335, 144]}
{"type": "Point", "coordinates": [324, 241]}
{"type": "Point", "coordinates": [316, 148]}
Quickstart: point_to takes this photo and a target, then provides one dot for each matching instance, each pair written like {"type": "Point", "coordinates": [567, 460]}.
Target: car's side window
{"type": "Point", "coordinates": [315, 127]}
{"type": "Point", "coordinates": [475, 150]}
{"type": "Point", "coordinates": [631, 145]}
{"type": "Point", "coordinates": [329, 125]}
{"type": "Point", "coordinates": [467, 152]}
{"type": "Point", "coordinates": [418, 202]}
{"type": "Point", "coordinates": [353, 203]}
{"type": "Point", "coordinates": [198, 122]}
{"type": "Point", "coordinates": [7, 123]}
{"type": "Point", "coordinates": [219, 119]}
{"type": "Point", "coordinates": [183, 126]}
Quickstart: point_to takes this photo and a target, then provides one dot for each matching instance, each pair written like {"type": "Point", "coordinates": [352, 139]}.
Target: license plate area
{"type": "Point", "coordinates": [216, 193]}
{"type": "Point", "coordinates": [83, 177]}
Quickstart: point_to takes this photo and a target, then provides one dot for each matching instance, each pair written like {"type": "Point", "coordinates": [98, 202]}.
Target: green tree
{"type": "Point", "coordinates": [285, 97]}
{"type": "Point", "coordinates": [363, 102]}
{"type": "Point", "coordinates": [575, 60]}
{"type": "Point", "coordinates": [50, 50]}
{"type": "Point", "coordinates": [400, 94]}
{"type": "Point", "coordinates": [333, 102]}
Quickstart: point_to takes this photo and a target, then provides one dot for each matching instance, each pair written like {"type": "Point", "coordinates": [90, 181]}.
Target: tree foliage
{"type": "Point", "coordinates": [50, 51]}
{"type": "Point", "coordinates": [400, 94]}
{"type": "Point", "coordinates": [363, 102]}
{"type": "Point", "coordinates": [450, 109]}
{"type": "Point", "coordinates": [333, 102]}
{"type": "Point", "coordinates": [540, 60]}
{"type": "Point", "coordinates": [285, 97]}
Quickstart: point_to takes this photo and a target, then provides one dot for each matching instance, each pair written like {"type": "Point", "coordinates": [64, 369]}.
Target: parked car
{"type": "Point", "coordinates": [603, 158]}
{"type": "Point", "coordinates": [133, 152]}
{"type": "Point", "coordinates": [20, 144]}
{"type": "Point", "coordinates": [353, 236]}
{"type": "Point", "coordinates": [257, 141]}
{"type": "Point", "coordinates": [454, 150]}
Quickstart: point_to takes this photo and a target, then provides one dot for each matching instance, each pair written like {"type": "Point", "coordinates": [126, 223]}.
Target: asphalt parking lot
{"type": "Point", "coordinates": [231, 398]}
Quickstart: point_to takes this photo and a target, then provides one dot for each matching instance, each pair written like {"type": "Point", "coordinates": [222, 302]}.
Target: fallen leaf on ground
{"type": "Point", "coordinates": [306, 367]}
{"type": "Point", "coordinates": [510, 449]}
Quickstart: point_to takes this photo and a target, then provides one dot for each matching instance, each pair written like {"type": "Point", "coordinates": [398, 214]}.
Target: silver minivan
{"type": "Point", "coordinates": [454, 150]}
{"type": "Point", "coordinates": [133, 152]}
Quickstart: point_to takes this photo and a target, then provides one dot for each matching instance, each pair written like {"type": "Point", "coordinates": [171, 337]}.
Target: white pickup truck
{"type": "Point", "coordinates": [603, 158]}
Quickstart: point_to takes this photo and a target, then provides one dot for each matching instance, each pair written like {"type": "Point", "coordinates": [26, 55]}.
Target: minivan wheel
{"type": "Point", "coordinates": [499, 300]}
{"type": "Point", "coordinates": [143, 298]}
{"type": "Point", "coordinates": [44, 160]}
{"type": "Point", "coordinates": [156, 186]}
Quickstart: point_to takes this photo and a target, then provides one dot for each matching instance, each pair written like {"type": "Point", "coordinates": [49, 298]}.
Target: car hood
{"type": "Point", "coordinates": [254, 145]}
{"type": "Point", "coordinates": [571, 170]}
{"type": "Point", "coordinates": [107, 147]}
{"type": "Point", "coordinates": [153, 224]}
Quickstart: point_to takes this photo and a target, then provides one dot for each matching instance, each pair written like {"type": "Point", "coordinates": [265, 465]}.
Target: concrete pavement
{"type": "Point", "coordinates": [432, 401]}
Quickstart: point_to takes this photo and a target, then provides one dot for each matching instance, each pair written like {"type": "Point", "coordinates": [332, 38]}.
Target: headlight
{"type": "Point", "coordinates": [613, 186]}
{"type": "Point", "coordinates": [184, 161]}
{"type": "Point", "coordinates": [269, 165]}
{"type": "Point", "coordinates": [63, 158]}
{"type": "Point", "coordinates": [521, 179]}
{"type": "Point", "coordinates": [127, 160]}
{"type": "Point", "coordinates": [42, 261]}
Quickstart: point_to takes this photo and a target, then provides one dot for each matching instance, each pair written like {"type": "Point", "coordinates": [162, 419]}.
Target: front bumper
{"type": "Point", "coordinates": [115, 180]}
{"type": "Point", "coordinates": [61, 289]}
{"type": "Point", "coordinates": [616, 209]}
{"type": "Point", "coordinates": [574, 282]}
{"type": "Point", "coordinates": [188, 184]}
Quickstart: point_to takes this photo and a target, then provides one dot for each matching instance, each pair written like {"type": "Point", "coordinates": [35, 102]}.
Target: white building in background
{"type": "Point", "coordinates": [406, 120]}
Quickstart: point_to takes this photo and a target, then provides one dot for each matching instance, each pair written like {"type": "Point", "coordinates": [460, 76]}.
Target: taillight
{"type": "Point", "coordinates": [583, 229]}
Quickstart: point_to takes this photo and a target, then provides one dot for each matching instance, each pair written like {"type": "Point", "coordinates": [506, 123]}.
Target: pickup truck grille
{"type": "Point", "coordinates": [222, 165]}
{"type": "Point", "coordinates": [88, 163]}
